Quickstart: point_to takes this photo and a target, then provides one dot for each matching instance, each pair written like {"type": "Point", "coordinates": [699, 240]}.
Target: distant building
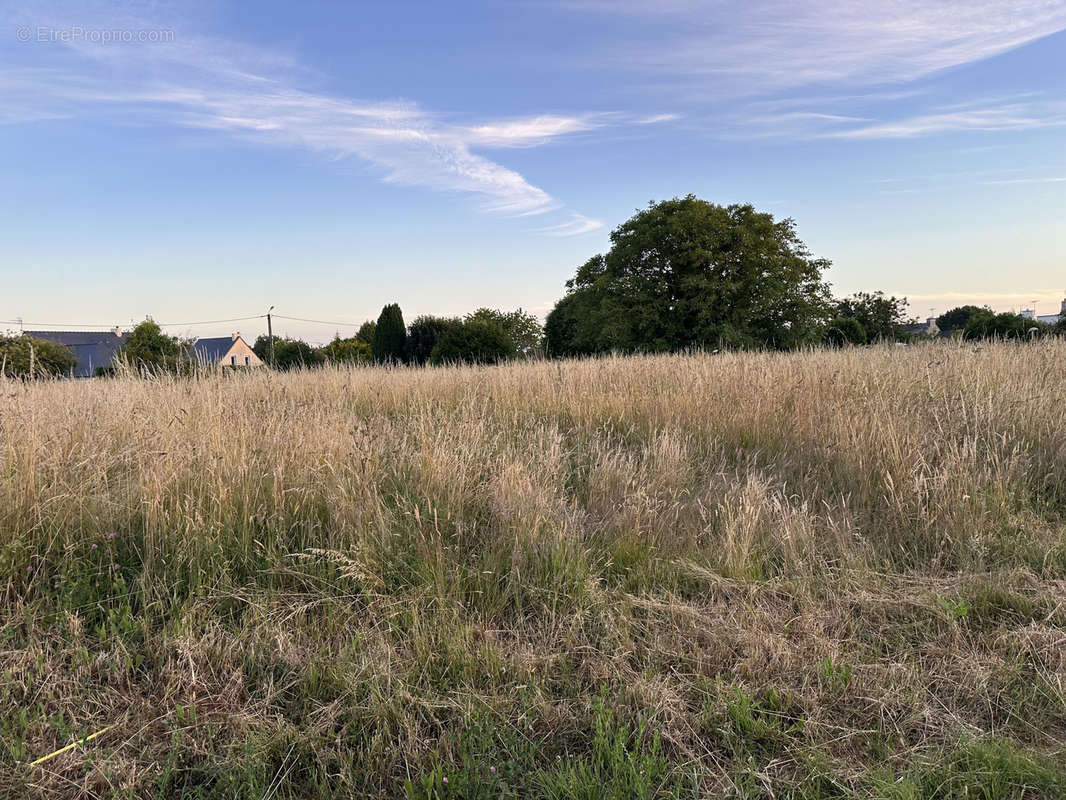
{"type": "Point", "coordinates": [92, 349]}
{"type": "Point", "coordinates": [1050, 319]}
{"type": "Point", "coordinates": [97, 349]}
{"type": "Point", "coordinates": [229, 351]}
{"type": "Point", "coordinates": [930, 328]}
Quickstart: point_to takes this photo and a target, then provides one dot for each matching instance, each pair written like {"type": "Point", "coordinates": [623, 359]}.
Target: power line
{"type": "Point", "coordinates": [112, 325]}
{"type": "Point", "coordinates": [319, 321]}
{"type": "Point", "coordinates": [52, 324]}
{"type": "Point", "coordinates": [45, 325]}
{"type": "Point", "coordinates": [209, 321]}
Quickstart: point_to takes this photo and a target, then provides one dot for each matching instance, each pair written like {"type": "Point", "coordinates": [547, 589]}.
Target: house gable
{"type": "Point", "coordinates": [231, 351]}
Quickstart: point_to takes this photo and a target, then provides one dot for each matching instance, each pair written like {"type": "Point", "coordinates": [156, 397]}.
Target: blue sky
{"type": "Point", "coordinates": [196, 161]}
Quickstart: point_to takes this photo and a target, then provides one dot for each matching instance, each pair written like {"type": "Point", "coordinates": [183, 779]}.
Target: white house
{"type": "Point", "coordinates": [1050, 319]}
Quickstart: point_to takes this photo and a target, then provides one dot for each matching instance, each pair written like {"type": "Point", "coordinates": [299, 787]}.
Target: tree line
{"type": "Point", "coordinates": [680, 274]}
{"type": "Point", "coordinates": [484, 336]}
{"type": "Point", "coordinates": [685, 273]}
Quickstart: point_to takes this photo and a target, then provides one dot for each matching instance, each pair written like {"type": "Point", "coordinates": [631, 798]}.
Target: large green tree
{"type": "Point", "coordinates": [390, 336]}
{"type": "Point", "coordinates": [424, 333]}
{"type": "Point", "coordinates": [473, 342]}
{"type": "Point", "coordinates": [23, 357]}
{"type": "Point", "coordinates": [989, 325]}
{"type": "Point", "coordinates": [149, 348]}
{"type": "Point", "coordinates": [688, 273]}
{"type": "Point", "coordinates": [345, 351]}
{"type": "Point", "coordinates": [366, 332]}
{"type": "Point", "coordinates": [288, 353]}
{"type": "Point", "coordinates": [569, 329]}
{"type": "Point", "coordinates": [881, 317]}
{"type": "Point", "coordinates": [524, 329]}
{"type": "Point", "coordinates": [958, 318]}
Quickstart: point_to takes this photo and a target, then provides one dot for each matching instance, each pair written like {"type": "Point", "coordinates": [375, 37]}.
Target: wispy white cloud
{"type": "Point", "coordinates": [879, 121]}
{"type": "Point", "coordinates": [209, 84]}
{"type": "Point", "coordinates": [844, 69]}
{"type": "Point", "coordinates": [575, 226]}
{"type": "Point", "coordinates": [1049, 179]}
{"type": "Point", "coordinates": [655, 119]}
{"type": "Point", "coordinates": [757, 46]}
{"type": "Point", "coordinates": [530, 131]}
{"type": "Point", "coordinates": [410, 146]}
{"type": "Point", "coordinates": [1012, 117]}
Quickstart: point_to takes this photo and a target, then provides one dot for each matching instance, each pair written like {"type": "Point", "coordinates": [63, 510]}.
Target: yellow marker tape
{"type": "Point", "coordinates": [42, 759]}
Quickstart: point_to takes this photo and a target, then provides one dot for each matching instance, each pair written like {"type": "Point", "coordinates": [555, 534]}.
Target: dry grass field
{"type": "Point", "coordinates": [814, 575]}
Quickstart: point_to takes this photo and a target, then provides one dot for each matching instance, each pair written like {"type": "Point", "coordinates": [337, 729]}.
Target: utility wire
{"type": "Point", "coordinates": [52, 324]}
{"type": "Point", "coordinates": [46, 325]}
{"type": "Point", "coordinates": [25, 324]}
{"type": "Point", "coordinates": [318, 321]}
{"type": "Point", "coordinates": [209, 321]}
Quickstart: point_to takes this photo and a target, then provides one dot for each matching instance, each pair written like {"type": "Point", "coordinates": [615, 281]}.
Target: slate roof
{"type": "Point", "coordinates": [213, 350]}
{"type": "Point", "coordinates": [92, 349]}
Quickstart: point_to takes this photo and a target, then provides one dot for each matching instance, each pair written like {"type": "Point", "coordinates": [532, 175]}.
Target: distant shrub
{"type": "Point", "coordinates": [24, 357]}
{"type": "Point", "coordinates": [366, 331]}
{"type": "Point", "coordinates": [881, 318]}
{"type": "Point", "coordinates": [346, 351]}
{"type": "Point", "coordinates": [845, 330]}
{"type": "Point", "coordinates": [524, 329]}
{"type": "Point", "coordinates": [989, 325]}
{"type": "Point", "coordinates": [149, 348]}
{"type": "Point", "coordinates": [473, 342]}
{"type": "Point", "coordinates": [423, 335]}
{"type": "Point", "coordinates": [288, 353]}
{"type": "Point", "coordinates": [957, 319]}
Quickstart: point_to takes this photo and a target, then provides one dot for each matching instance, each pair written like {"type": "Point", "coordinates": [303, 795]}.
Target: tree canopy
{"type": "Point", "coordinates": [390, 336]}
{"type": "Point", "coordinates": [423, 334]}
{"type": "Point", "coordinates": [346, 351]}
{"type": "Point", "coordinates": [473, 341]}
{"type": "Point", "coordinates": [879, 317]}
{"type": "Point", "coordinates": [24, 357]}
{"type": "Point", "coordinates": [149, 348]}
{"type": "Point", "coordinates": [288, 353]}
{"type": "Point", "coordinates": [689, 273]}
{"type": "Point", "coordinates": [845, 330]}
{"type": "Point", "coordinates": [366, 332]}
{"type": "Point", "coordinates": [988, 325]}
{"type": "Point", "coordinates": [958, 318]}
{"type": "Point", "coordinates": [523, 329]}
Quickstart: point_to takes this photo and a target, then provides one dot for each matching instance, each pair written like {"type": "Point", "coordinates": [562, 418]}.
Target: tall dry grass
{"type": "Point", "coordinates": [836, 573]}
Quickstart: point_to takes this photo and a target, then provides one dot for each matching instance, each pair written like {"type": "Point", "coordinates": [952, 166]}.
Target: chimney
{"type": "Point", "coordinates": [236, 335]}
{"type": "Point", "coordinates": [118, 330]}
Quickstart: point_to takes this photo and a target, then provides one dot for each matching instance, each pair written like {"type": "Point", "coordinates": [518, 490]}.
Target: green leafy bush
{"type": "Point", "coordinates": [23, 357]}
{"type": "Point", "coordinates": [346, 351]}
{"type": "Point", "coordinates": [522, 328]}
{"type": "Point", "coordinates": [423, 335]}
{"type": "Point", "coordinates": [148, 348]}
{"type": "Point", "coordinates": [288, 353]}
{"type": "Point", "coordinates": [473, 342]}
